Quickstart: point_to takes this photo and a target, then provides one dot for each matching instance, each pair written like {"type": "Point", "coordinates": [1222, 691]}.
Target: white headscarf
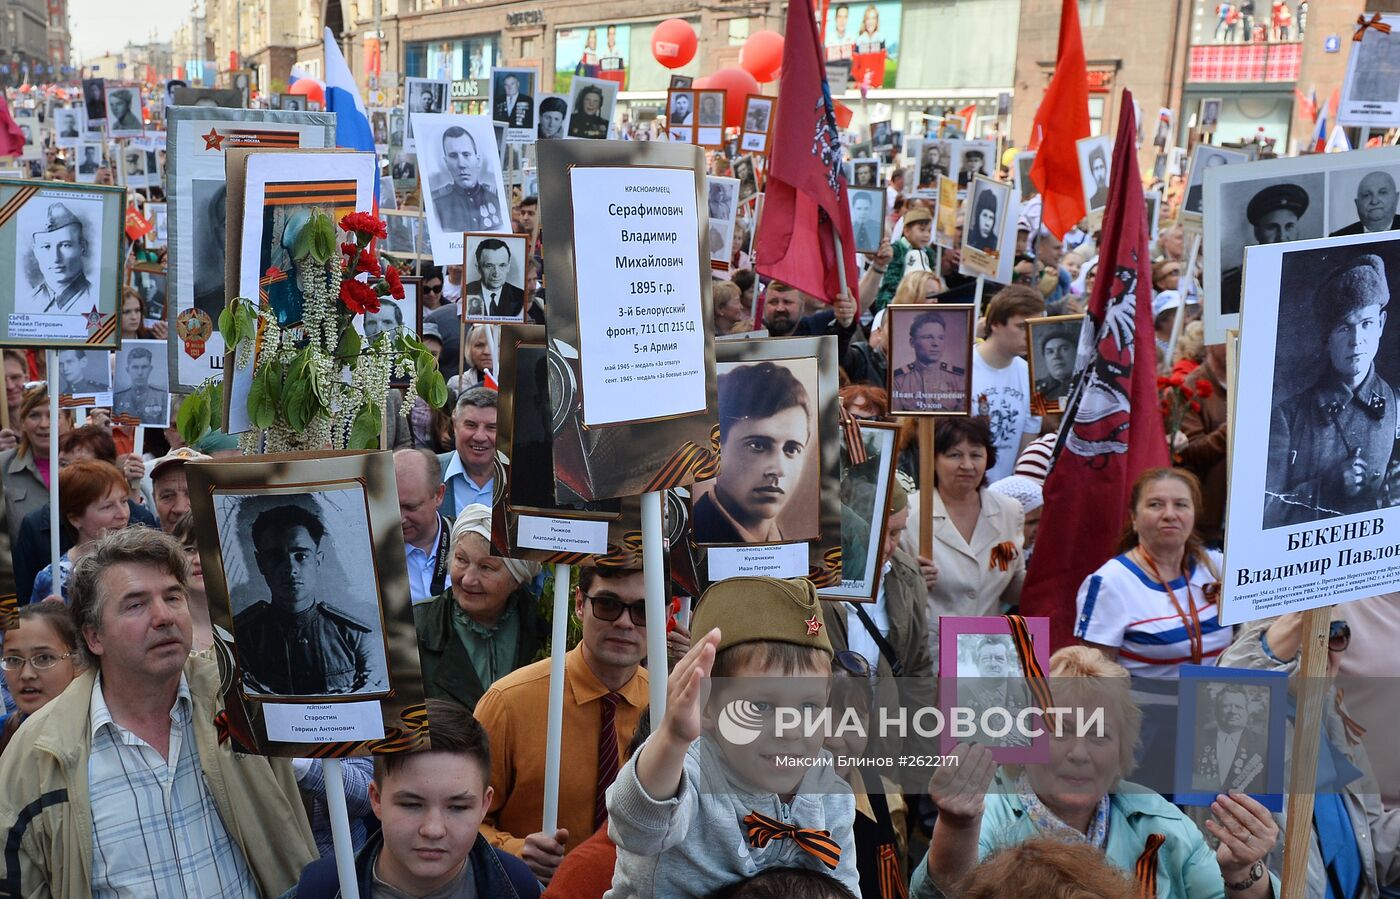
{"type": "Point", "coordinates": [476, 519]}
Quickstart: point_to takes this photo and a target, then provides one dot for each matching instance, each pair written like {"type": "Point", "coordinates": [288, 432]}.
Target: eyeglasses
{"type": "Point", "coordinates": [852, 663]}
{"type": "Point", "coordinates": [428, 288]}
{"type": "Point", "coordinates": [42, 662]}
{"type": "Point", "coordinates": [1338, 636]}
{"type": "Point", "coordinates": [609, 608]}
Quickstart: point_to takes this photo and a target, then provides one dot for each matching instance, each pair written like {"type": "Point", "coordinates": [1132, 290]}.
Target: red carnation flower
{"type": "Point", "coordinates": [350, 249]}
{"type": "Point", "coordinates": [358, 297]}
{"type": "Point", "coordinates": [391, 274]}
{"type": "Point", "coordinates": [1204, 389]}
{"type": "Point", "coordinates": [273, 272]}
{"type": "Point", "coordinates": [1176, 380]}
{"type": "Point", "coordinates": [367, 263]}
{"type": "Point", "coordinates": [1195, 406]}
{"type": "Point", "coordinates": [363, 223]}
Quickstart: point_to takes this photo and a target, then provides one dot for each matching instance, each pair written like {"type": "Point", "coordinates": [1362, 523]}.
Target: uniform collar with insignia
{"type": "Point", "coordinates": [1333, 394]}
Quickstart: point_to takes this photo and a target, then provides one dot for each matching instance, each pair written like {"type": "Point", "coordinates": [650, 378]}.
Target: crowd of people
{"type": "Point", "coordinates": [121, 778]}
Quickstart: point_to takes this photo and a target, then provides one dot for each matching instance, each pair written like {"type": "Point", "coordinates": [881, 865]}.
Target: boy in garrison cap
{"type": "Point", "coordinates": [1273, 215]}
{"type": "Point", "coordinates": [911, 254]}
{"type": "Point", "coordinates": [716, 794]}
{"type": "Point", "coordinates": [1332, 448]}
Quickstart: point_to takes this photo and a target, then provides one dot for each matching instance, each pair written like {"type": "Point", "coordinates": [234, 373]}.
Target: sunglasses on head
{"type": "Point", "coordinates": [1338, 636]}
{"type": "Point", "coordinates": [610, 608]}
{"type": "Point", "coordinates": [852, 663]}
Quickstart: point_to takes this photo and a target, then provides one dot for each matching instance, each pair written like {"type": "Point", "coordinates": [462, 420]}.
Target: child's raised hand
{"type": "Point", "coordinates": [685, 689]}
{"type": "Point", "coordinates": [958, 790]}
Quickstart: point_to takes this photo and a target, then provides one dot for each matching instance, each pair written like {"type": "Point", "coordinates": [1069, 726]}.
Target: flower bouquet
{"type": "Point", "coordinates": [1177, 398]}
{"type": "Point", "coordinates": [316, 383]}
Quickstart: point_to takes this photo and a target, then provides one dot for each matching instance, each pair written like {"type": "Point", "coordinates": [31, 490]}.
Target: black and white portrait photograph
{"type": "Point", "coordinates": [867, 217]}
{"type": "Point", "coordinates": [680, 108]}
{"type": "Point", "coordinates": [1095, 158]}
{"type": "Point", "coordinates": [930, 358]}
{"type": "Point", "coordinates": [1163, 133]}
{"type": "Point", "coordinates": [1371, 90]}
{"type": "Point", "coordinates": [513, 102]}
{"type": "Point", "coordinates": [974, 157]}
{"type": "Point", "coordinates": [988, 203]}
{"type": "Point", "coordinates": [769, 483]}
{"type": "Point", "coordinates": [68, 126]}
{"type": "Point", "coordinates": [406, 239]}
{"type": "Point", "coordinates": [744, 174]}
{"type": "Point", "coordinates": [1362, 200]}
{"type": "Point", "coordinates": [1230, 734]}
{"type": "Point", "coordinates": [865, 512]}
{"type": "Point", "coordinates": [293, 102]}
{"type": "Point", "coordinates": [1025, 184]}
{"type": "Point", "coordinates": [296, 566]}
{"type": "Point", "coordinates": [758, 112]}
{"type": "Point", "coordinates": [89, 160]}
{"type": "Point", "coordinates": [1202, 158]}
{"type": "Point", "coordinates": [208, 97]}
{"type": "Point", "coordinates": [95, 102]}
{"type": "Point", "coordinates": [422, 96]}
{"type": "Point", "coordinates": [723, 194]}
{"type": "Point", "coordinates": [1209, 115]}
{"type": "Point", "coordinates": [389, 320]}
{"type": "Point", "coordinates": [124, 111]}
{"type": "Point", "coordinates": [141, 382]}
{"type": "Point", "coordinates": [591, 101]}
{"type": "Point", "coordinates": [1265, 211]}
{"type": "Point", "coordinates": [60, 248]}
{"type": "Point", "coordinates": [979, 656]}
{"type": "Point", "coordinates": [680, 82]}
{"type": "Point", "coordinates": [462, 187]}
{"type": "Point", "coordinates": [151, 286]}
{"type": "Point", "coordinates": [210, 209]}
{"type": "Point", "coordinates": [709, 105]}
{"type": "Point", "coordinates": [882, 135]}
{"type": "Point", "coordinates": [494, 287]}
{"type": "Point", "coordinates": [134, 166]}
{"type": "Point", "coordinates": [84, 372]}
{"type": "Point", "coordinates": [379, 127]}
{"type": "Point", "coordinates": [532, 435]}
{"type": "Point", "coordinates": [1152, 204]}
{"type": "Point", "coordinates": [1054, 344]}
{"type": "Point", "coordinates": [403, 165]}
{"type": "Point", "coordinates": [935, 159]}
{"type": "Point", "coordinates": [865, 173]}
{"type": "Point", "coordinates": [552, 114]}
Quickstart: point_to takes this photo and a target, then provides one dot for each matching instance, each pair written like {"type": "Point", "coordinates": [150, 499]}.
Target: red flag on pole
{"type": "Point", "coordinates": [1062, 119]}
{"type": "Point", "coordinates": [11, 138]}
{"type": "Point", "coordinates": [804, 205]}
{"type": "Point", "coordinates": [1112, 431]}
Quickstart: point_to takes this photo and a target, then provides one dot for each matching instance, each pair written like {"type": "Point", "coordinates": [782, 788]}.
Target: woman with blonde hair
{"type": "Point", "coordinates": [916, 287]}
{"type": "Point", "coordinates": [25, 470]}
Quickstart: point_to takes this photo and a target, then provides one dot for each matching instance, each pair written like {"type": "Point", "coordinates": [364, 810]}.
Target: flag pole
{"type": "Point", "coordinates": [1312, 690]}
{"type": "Point", "coordinates": [51, 369]}
{"type": "Point", "coordinates": [1187, 277]}
{"type": "Point", "coordinates": [927, 435]}
{"type": "Point", "coordinates": [554, 727]}
{"type": "Point", "coordinates": [653, 567]}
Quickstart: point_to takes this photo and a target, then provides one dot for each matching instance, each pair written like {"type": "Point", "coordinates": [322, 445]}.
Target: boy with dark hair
{"type": "Point", "coordinates": [431, 802]}
{"type": "Point", "coordinates": [696, 792]}
{"type": "Point", "coordinates": [1001, 380]}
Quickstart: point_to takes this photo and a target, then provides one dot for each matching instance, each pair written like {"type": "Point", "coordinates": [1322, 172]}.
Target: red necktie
{"type": "Point", "coordinates": [607, 756]}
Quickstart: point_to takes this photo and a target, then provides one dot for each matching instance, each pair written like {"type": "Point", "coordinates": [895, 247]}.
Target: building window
{"type": "Point", "coordinates": [1096, 108]}
{"type": "Point", "coordinates": [738, 32]}
{"type": "Point", "coordinates": [1091, 12]}
{"type": "Point", "coordinates": [527, 48]}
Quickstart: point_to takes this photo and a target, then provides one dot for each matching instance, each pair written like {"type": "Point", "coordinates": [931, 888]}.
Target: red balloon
{"type": "Point", "coordinates": [762, 55]}
{"type": "Point", "coordinates": [673, 43]}
{"type": "Point", "coordinates": [309, 88]}
{"type": "Point", "coordinates": [737, 84]}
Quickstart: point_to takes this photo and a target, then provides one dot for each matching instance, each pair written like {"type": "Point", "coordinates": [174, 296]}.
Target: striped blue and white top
{"type": "Point", "coordinates": [1120, 605]}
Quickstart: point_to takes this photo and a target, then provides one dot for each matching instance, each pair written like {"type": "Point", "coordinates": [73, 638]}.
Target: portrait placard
{"type": "Point", "coordinates": [66, 243]}
{"type": "Point", "coordinates": [422, 96]}
{"type": "Point", "coordinates": [709, 118]}
{"type": "Point", "coordinates": [1021, 171]}
{"type": "Point", "coordinates": [408, 237]}
{"type": "Point", "coordinates": [680, 108]}
{"type": "Point", "coordinates": [1153, 201]}
{"type": "Point", "coordinates": [1204, 157]}
{"type": "Point", "coordinates": [1230, 731]}
{"type": "Point", "coordinates": [979, 658]}
{"type": "Point", "coordinates": [493, 288]}
{"type": "Point", "coordinates": [724, 207]}
{"type": "Point", "coordinates": [634, 337]}
{"type": "Point", "coordinates": [935, 161]}
{"type": "Point", "coordinates": [89, 157]}
{"type": "Point", "coordinates": [125, 110]}
{"type": "Point", "coordinates": [989, 206]}
{"type": "Point", "coordinates": [513, 103]}
{"type": "Point", "coordinates": [865, 172]}
{"type": "Point", "coordinates": [68, 126]}
{"type": "Point", "coordinates": [930, 358]}
{"type": "Point", "coordinates": [591, 102]}
{"type": "Point", "coordinates": [160, 223]}
{"type": "Point", "coordinates": [551, 114]}
{"type": "Point", "coordinates": [1095, 157]}
{"type": "Point", "coordinates": [197, 197]}
{"type": "Point", "coordinates": [403, 166]}
{"type": "Point", "coordinates": [865, 511]}
{"type": "Point", "coordinates": [1370, 94]}
{"type": "Point", "coordinates": [945, 214]}
{"type": "Point", "coordinates": [394, 316]}
{"type": "Point", "coordinates": [141, 384]}
{"type": "Point", "coordinates": [744, 171]}
{"type": "Point", "coordinates": [150, 281]}
{"type": "Point", "coordinates": [882, 135]}
{"type": "Point", "coordinates": [1054, 345]}
{"type": "Point", "coordinates": [292, 102]}
{"type": "Point", "coordinates": [313, 539]}
{"type": "Point", "coordinates": [775, 507]}
{"type": "Point", "coordinates": [1326, 505]}
{"type": "Point", "coordinates": [867, 217]}
{"type": "Point", "coordinates": [95, 105]}
{"type": "Point", "coordinates": [758, 123]}
{"type": "Point", "coordinates": [85, 373]}
{"type": "Point", "coordinates": [973, 158]}
{"type": "Point", "coordinates": [1208, 115]}
{"type": "Point", "coordinates": [224, 97]}
{"type": "Point", "coordinates": [461, 178]}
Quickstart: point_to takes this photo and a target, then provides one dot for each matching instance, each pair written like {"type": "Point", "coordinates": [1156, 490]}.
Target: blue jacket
{"type": "Point", "coordinates": [495, 873]}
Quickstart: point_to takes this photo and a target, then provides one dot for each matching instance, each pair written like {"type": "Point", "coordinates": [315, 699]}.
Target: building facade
{"type": "Point", "coordinates": [24, 43]}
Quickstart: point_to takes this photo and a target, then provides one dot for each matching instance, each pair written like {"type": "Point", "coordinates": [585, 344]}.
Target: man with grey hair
{"type": "Point", "coordinates": [469, 471]}
{"type": "Point", "coordinates": [1375, 206]}
{"type": "Point", "coordinates": [122, 786]}
{"type": "Point", "coordinates": [425, 530]}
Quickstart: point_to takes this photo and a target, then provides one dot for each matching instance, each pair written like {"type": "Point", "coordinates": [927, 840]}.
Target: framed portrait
{"type": "Point", "coordinates": [292, 102]}
{"type": "Point", "coordinates": [591, 101]}
{"type": "Point", "coordinates": [125, 110]}
{"type": "Point", "coordinates": [973, 158]}
{"type": "Point", "coordinates": [744, 173]}
{"type": "Point", "coordinates": [930, 358]}
{"type": "Point", "coordinates": [867, 217]}
{"type": "Point", "coordinates": [989, 205]}
{"type": "Point", "coordinates": [774, 508]}
{"type": "Point", "coordinates": [1021, 171]}
{"type": "Point", "coordinates": [1370, 95]}
{"type": "Point", "coordinates": [403, 165]}
{"type": "Point", "coordinates": [134, 167]}
{"type": "Point", "coordinates": [882, 135]}
{"type": "Point", "coordinates": [141, 384]}
{"type": "Point", "coordinates": [1095, 160]}
{"type": "Point", "coordinates": [1162, 136]}
{"type": "Point", "coordinates": [394, 316]}
{"type": "Point", "coordinates": [462, 186]}
{"type": "Point", "coordinates": [150, 282]}
{"type": "Point", "coordinates": [208, 97]}
{"type": "Point", "coordinates": [865, 511]}
{"type": "Point", "coordinates": [935, 161]}
{"type": "Point", "coordinates": [242, 82]}
{"type": "Point", "coordinates": [758, 123]}
{"type": "Point", "coordinates": [1204, 157]}
{"type": "Point", "coordinates": [680, 108]}
{"type": "Point", "coordinates": [379, 127]}
{"type": "Point", "coordinates": [160, 222]}
{"type": "Point", "coordinates": [493, 290]}
{"type": "Point", "coordinates": [551, 114]}
{"type": "Point", "coordinates": [1152, 199]}
{"type": "Point", "coordinates": [1208, 115]}
{"type": "Point", "coordinates": [407, 230]}
{"type": "Point", "coordinates": [422, 96]}
{"type": "Point", "coordinates": [1054, 346]}
{"type": "Point", "coordinates": [315, 536]}
{"type": "Point", "coordinates": [513, 103]}
{"type": "Point", "coordinates": [724, 207]}
{"type": "Point", "coordinates": [68, 126]}
{"type": "Point", "coordinates": [1230, 731]}
{"type": "Point", "coordinates": [945, 213]}
{"type": "Point", "coordinates": [66, 241]}
{"type": "Point", "coordinates": [94, 104]}
{"type": "Point", "coordinates": [979, 657]}
{"type": "Point", "coordinates": [84, 372]}
{"type": "Point", "coordinates": [709, 118]}
{"type": "Point", "coordinates": [680, 82]}
{"type": "Point", "coordinates": [865, 173]}
{"type": "Point", "coordinates": [89, 158]}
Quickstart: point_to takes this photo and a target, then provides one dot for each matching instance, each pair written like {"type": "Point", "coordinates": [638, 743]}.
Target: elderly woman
{"type": "Point", "coordinates": [486, 624]}
{"type": "Point", "coordinates": [479, 360]}
{"type": "Point", "coordinates": [42, 656]}
{"type": "Point", "coordinates": [1080, 795]}
{"type": "Point", "coordinates": [92, 503]}
{"type": "Point", "coordinates": [25, 470]}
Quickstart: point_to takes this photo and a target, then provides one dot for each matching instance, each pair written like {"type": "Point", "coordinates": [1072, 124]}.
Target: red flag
{"type": "Point", "coordinates": [1112, 431]}
{"type": "Point", "coordinates": [1062, 119]}
{"type": "Point", "coordinates": [804, 205]}
{"type": "Point", "coordinates": [11, 138]}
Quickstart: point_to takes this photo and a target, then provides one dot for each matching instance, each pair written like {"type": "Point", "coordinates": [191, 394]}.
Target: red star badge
{"type": "Point", "coordinates": [94, 318]}
{"type": "Point", "coordinates": [214, 140]}
{"type": "Point", "coordinates": [814, 626]}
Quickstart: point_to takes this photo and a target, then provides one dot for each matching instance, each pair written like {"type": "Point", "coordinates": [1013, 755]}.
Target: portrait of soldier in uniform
{"type": "Point", "coordinates": [388, 320]}
{"type": "Point", "coordinates": [1055, 347]}
{"type": "Point", "coordinates": [468, 201]}
{"type": "Point", "coordinates": [1231, 751]}
{"type": "Point", "coordinates": [143, 397]}
{"type": "Point", "coordinates": [511, 101]}
{"type": "Point", "coordinates": [989, 677]}
{"type": "Point", "coordinates": [63, 254]}
{"type": "Point", "coordinates": [75, 377]}
{"type": "Point", "coordinates": [1273, 214]}
{"type": "Point", "coordinates": [298, 641]}
{"type": "Point", "coordinates": [120, 115]}
{"type": "Point", "coordinates": [936, 378]}
{"type": "Point", "coordinates": [553, 110]}
{"type": "Point", "coordinates": [1332, 447]}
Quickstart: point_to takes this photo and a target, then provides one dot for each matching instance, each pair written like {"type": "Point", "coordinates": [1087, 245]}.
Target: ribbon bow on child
{"type": "Point", "coordinates": [817, 843]}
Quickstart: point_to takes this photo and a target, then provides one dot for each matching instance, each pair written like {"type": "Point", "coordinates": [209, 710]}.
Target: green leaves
{"type": "Point", "coordinates": [322, 237]}
{"type": "Point", "coordinates": [364, 430]}
{"type": "Point", "coordinates": [264, 397]}
{"type": "Point", "coordinates": [193, 420]}
{"type": "Point", "coordinates": [238, 322]}
{"type": "Point", "coordinates": [433, 389]}
{"type": "Point", "coordinates": [303, 397]}
{"type": "Point", "coordinates": [351, 345]}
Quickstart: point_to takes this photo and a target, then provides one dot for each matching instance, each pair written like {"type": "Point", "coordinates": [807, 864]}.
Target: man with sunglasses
{"type": "Point", "coordinates": [605, 690]}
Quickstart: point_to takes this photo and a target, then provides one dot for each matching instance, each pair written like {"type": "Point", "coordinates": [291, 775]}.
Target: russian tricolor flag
{"type": "Point", "coordinates": [352, 129]}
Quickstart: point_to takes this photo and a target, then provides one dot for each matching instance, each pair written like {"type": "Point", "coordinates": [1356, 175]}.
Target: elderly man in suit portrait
{"type": "Point", "coordinates": [1375, 206]}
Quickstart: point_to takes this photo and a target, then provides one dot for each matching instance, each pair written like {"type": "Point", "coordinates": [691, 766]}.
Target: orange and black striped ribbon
{"type": "Point", "coordinates": [1039, 404]}
{"type": "Point", "coordinates": [9, 612]}
{"type": "Point", "coordinates": [850, 430]}
{"type": "Point", "coordinates": [689, 463]}
{"type": "Point", "coordinates": [762, 830]}
{"type": "Point", "coordinates": [103, 333]}
{"type": "Point", "coordinates": [1030, 667]}
{"type": "Point", "coordinates": [892, 885]}
{"type": "Point", "coordinates": [68, 401]}
{"type": "Point", "coordinates": [302, 193]}
{"type": "Point", "coordinates": [829, 574]}
{"type": "Point", "coordinates": [245, 137]}
{"type": "Point", "coordinates": [1145, 872]}
{"type": "Point", "coordinates": [1002, 555]}
{"type": "Point", "coordinates": [626, 555]}
{"type": "Point", "coordinates": [16, 202]}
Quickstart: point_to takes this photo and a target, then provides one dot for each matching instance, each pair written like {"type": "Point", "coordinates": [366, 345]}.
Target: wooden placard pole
{"type": "Point", "coordinates": [927, 435]}
{"type": "Point", "coordinates": [653, 567]}
{"type": "Point", "coordinates": [51, 369]}
{"type": "Point", "coordinates": [554, 728]}
{"type": "Point", "coordinates": [340, 829]}
{"type": "Point", "coordinates": [1302, 781]}
{"type": "Point", "coordinates": [1188, 277]}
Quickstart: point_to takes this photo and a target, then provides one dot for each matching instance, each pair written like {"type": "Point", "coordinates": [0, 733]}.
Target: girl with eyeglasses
{"type": "Point", "coordinates": [41, 658]}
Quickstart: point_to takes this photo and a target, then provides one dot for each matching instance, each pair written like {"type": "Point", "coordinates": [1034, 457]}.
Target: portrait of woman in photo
{"type": "Point", "coordinates": [983, 235]}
